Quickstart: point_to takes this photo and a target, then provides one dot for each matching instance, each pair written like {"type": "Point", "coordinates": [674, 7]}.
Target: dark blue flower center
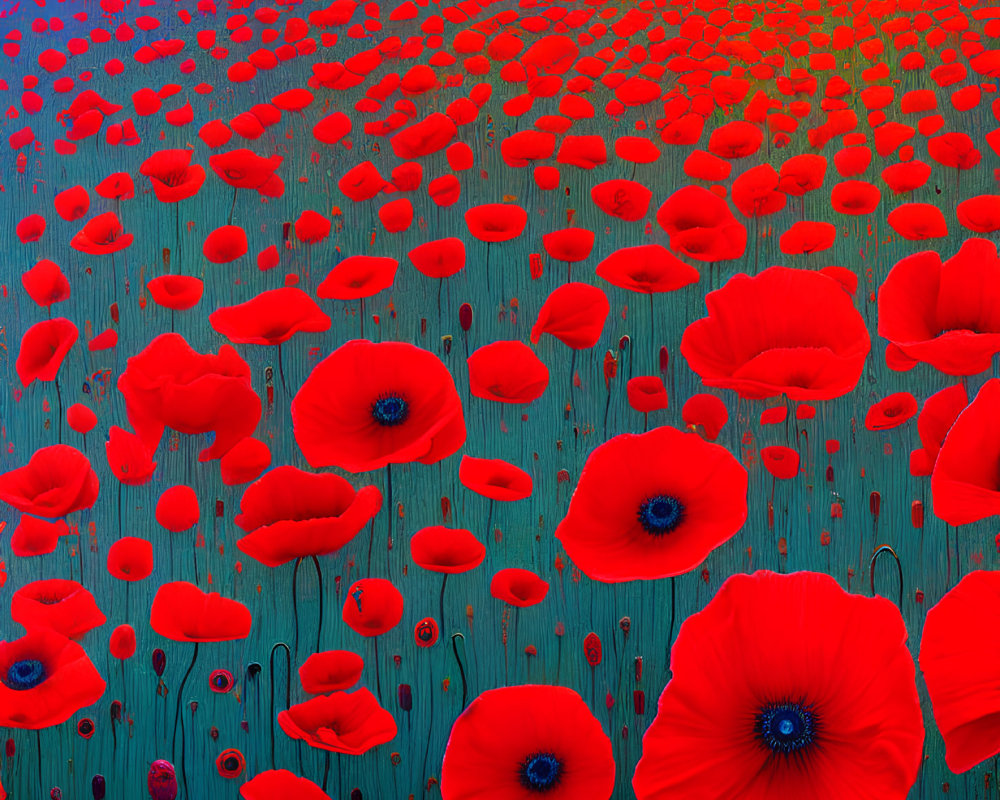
{"type": "Point", "coordinates": [540, 772]}
{"type": "Point", "coordinates": [661, 514]}
{"type": "Point", "coordinates": [390, 409]}
{"type": "Point", "coordinates": [786, 727]}
{"type": "Point", "coordinates": [26, 674]}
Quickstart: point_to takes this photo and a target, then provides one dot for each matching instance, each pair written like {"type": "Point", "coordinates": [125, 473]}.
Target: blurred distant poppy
{"type": "Point", "coordinates": [62, 605]}
{"type": "Point", "coordinates": [646, 268]}
{"type": "Point", "coordinates": [289, 513]}
{"type": "Point", "coordinates": [518, 587]}
{"type": "Point", "coordinates": [343, 722]}
{"type": "Point", "coordinates": [496, 222]}
{"type": "Point", "coordinates": [507, 371]}
{"type": "Point", "coordinates": [439, 258]}
{"type": "Point", "coordinates": [104, 234]}
{"type": "Point", "coordinates": [128, 457]}
{"type": "Point", "coordinates": [447, 550]}
{"type": "Point", "coordinates": [627, 200]}
{"type": "Point", "coordinates": [701, 225]}
{"type": "Point", "coordinates": [177, 292]}
{"type": "Point", "coordinates": [172, 175]}
{"type": "Point", "coordinates": [278, 784]}
{"type": "Point", "coordinates": [270, 318]}
{"type": "Point", "coordinates": [372, 606]}
{"type": "Point", "coordinates": [368, 405]}
{"type": "Point", "coordinates": [646, 393]}
{"type": "Point", "coordinates": [784, 331]}
{"type": "Point", "coordinates": [56, 481]}
{"type": "Point", "coordinates": [130, 559]}
{"type": "Point", "coordinates": [330, 671]}
{"type": "Point", "coordinates": [45, 283]}
{"type": "Point", "coordinates": [494, 478]}
{"type": "Point", "coordinates": [573, 313]}
{"type": "Point", "coordinates": [184, 613]}
{"type": "Point", "coordinates": [358, 276]}
{"type": "Point", "coordinates": [43, 348]}
{"type": "Point", "coordinates": [916, 221]}
{"type": "Point", "coordinates": [944, 314]}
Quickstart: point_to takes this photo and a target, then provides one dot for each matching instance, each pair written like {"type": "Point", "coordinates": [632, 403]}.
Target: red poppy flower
{"type": "Point", "coordinates": [701, 226]}
{"type": "Point", "coordinates": [128, 457]}
{"type": "Point", "coordinates": [312, 227]}
{"type": "Point", "coordinates": [807, 237]}
{"type": "Point", "coordinates": [225, 244]}
{"type": "Point", "coordinates": [785, 331]}
{"type": "Point", "coordinates": [625, 523]}
{"type": "Point", "coordinates": [520, 742]}
{"type": "Point", "coordinates": [938, 414]}
{"type": "Point", "coordinates": [184, 613]}
{"type": "Point", "coordinates": [945, 314]}
{"type": "Point", "coordinates": [496, 222]}
{"type": "Point", "coordinates": [37, 537]}
{"type": "Point", "coordinates": [507, 372]}
{"type": "Point", "coordinates": [332, 128]}
{"type": "Point", "coordinates": [891, 412]}
{"type": "Point", "coordinates": [170, 384]}
{"type": "Point", "coordinates": [130, 559]}
{"type": "Point", "coordinates": [705, 411]}
{"type": "Point", "coordinates": [574, 313]}
{"type": "Point", "coordinates": [177, 292]}
{"type": "Point", "coordinates": [646, 393]}
{"type": "Point", "coordinates": [907, 176]}
{"type": "Point", "coordinates": [446, 550]}
{"type": "Point", "coordinates": [956, 663]}
{"type": "Point", "coordinates": [270, 318]}
{"type": "Point", "coordinates": [362, 182]}
{"type": "Point", "coordinates": [72, 203]}
{"type": "Point", "coordinates": [280, 784]}
{"type": "Point", "coordinates": [569, 244]}
{"type": "Point", "coordinates": [46, 679]}
{"type": "Point", "coordinates": [980, 213]}
{"type": "Point", "coordinates": [290, 514]}
{"type": "Point", "coordinates": [121, 643]}
{"type": "Point", "coordinates": [244, 169]}
{"type": "Point", "coordinates": [81, 418]}
{"type": "Point", "coordinates": [755, 192]}
{"type": "Point", "coordinates": [855, 198]}
{"type": "Point", "coordinates": [368, 405]}
{"type": "Point", "coordinates": [30, 229]}
{"type": "Point", "coordinates": [524, 147]}
{"type": "Point", "coordinates": [916, 221]}
{"type": "Point", "coordinates": [102, 235]}
{"type": "Point", "coordinates": [954, 149]}
{"type": "Point", "coordinates": [737, 139]}
{"type": "Point", "coordinates": [117, 186]}
{"type": "Point", "coordinates": [781, 462]}
{"type": "Point", "coordinates": [245, 462]}
{"type": "Point", "coordinates": [494, 478]}
{"type": "Point", "coordinates": [177, 509]}
{"type": "Point", "coordinates": [440, 258]}
{"type": "Point", "coordinates": [434, 132]}
{"type": "Point", "coordinates": [820, 701]}
{"type": "Point", "coordinates": [519, 587]}
{"type": "Point", "coordinates": [56, 481]}
{"type": "Point", "coordinates": [636, 149]}
{"type": "Point", "coordinates": [626, 200]}
{"type": "Point", "coordinates": [43, 347]}
{"type": "Point", "coordinates": [173, 176]}
{"type": "Point", "coordinates": [45, 283]}
{"type": "Point", "coordinates": [330, 671]}
{"type": "Point", "coordinates": [646, 268]}
{"type": "Point", "coordinates": [343, 722]}
{"type": "Point", "coordinates": [373, 606]}
{"type": "Point", "coordinates": [62, 605]}
{"type": "Point", "coordinates": [358, 276]}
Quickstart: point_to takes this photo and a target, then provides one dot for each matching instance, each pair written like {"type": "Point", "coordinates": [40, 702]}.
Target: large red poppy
{"type": "Point", "coordinates": [170, 384]}
{"type": "Point", "coordinates": [372, 606]}
{"type": "Point", "coordinates": [280, 784]}
{"type": "Point", "coordinates": [522, 742]}
{"type": "Point", "coordinates": [62, 605]}
{"type": "Point", "coordinates": [701, 225]}
{"type": "Point", "coordinates": [568, 244]}
{"type": "Point", "coordinates": [226, 243]}
{"type": "Point", "coordinates": [980, 213]}
{"type": "Point", "coordinates": [917, 221]}
{"type": "Point", "coordinates": [244, 169]}
{"type": "Point", "coordinates": [289, 513]}
{"type": "Point", "coordinates": [330, 671]}
{"type": "Point", "coordinates": [802, 174]}
{"type": "Point", "coordinates": [368, 405]}
{"type": "Point", "coordinates": [45, 283]}
{"type": "Point", "coordinates": [646, 268]}
{"type": "Point", "coordinates": [358, 276]}
{"type": "Point", "coordinates": [494, 478]}
{"type": "Point", "coordinates": [177, 292]}
{"type": "Point", "coordinates": [628, 200]}
{"type": "Point", "coordinates": [573, 313]}
{"type": "Point", "coordinates": [820, 700]}
{"type": "Point", "coordinates": [785, 330]}
{"type": "Point", "coordinates": [518, 587]}
{"type": "Point", "coordinates": [56, 481]}
{"type": "Point", "coordinates": [270, 318]}
{"type": "Point", "coordinates": [507, 371]}
{"type": "Point", "coordinates": [172, 175]}
{"type": "Point", "coordinates": [130, 559]}
{"type": "Point", "coordinates": [128, 457]}
{"type": "Point", "coordinates": [184, 613]}
{"type": "Point", "coordinates": [653, 505]}
{"type": "Point", "coordinates": [439, 258]}
{"type": "Point", "coordinates": [646, 393]}
{"type": "Point", "coordinates": [177, 510]}
{"type": "Point", "coordinates": [448, 550]}
{"type": "Point", "coordinates": [45, 679]}
{"type": "Point", "coordinates": [958, 666]}
{"type": "Point", "coordinates": [756, 194]}
{"type": "Point", "coordinates": [945, 314]}
{"type": "Point", "coordinates": [343, 722]}
{"type": "Point", "coordinates": [964, 482]}
{"type": "Point", "coordinates": [104, 234]}
{"type": "Point", "coordinates": [496, 222]}
{"type": "Point", "coordinates": [43, 347]}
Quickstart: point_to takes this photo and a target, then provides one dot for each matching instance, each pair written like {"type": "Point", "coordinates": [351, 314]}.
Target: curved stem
{"type": "Point", "coordinates": [288, 687]}
{"type": "Point", "coordinates": [179, 721]}
{"type": "Point", "coordinates": [295, 603]}
{"type": "Point", "coordinates": [319, 581]}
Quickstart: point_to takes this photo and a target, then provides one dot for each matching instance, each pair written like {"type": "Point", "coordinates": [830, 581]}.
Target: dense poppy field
{"type": "Point", "coordinates": [500, 400]}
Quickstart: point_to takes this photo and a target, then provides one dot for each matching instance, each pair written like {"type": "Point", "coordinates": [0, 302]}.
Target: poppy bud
{"type": "Point", "coordinates": [85, 728]}
{"type": "Point", "coordinates": [159, 662]}
{"type": "Point", "coordinates": [161, 780]}
{"type": "Point", "coordinates": [116, 711]}
{"type": "Point", "coordinates": [55, 793]}
{"type": "Point", "coordinates": [98, 787]}
{"type": "Point", "coordinates": [625, 623]}
{"type": "Point", "coordinates": [592, 649]}
{"type": "Point", "coordinates": [356, 794]}
{"type": "Point", "coordinates": [639, 701]}
{"type": "Point", "coordinates": [9, 748]}
{"type": "Point", "coordinates": [609, 701]}
{"type": "Point", "coordinates": [465, 316]}
{"type": "Point", "coordinates": [638, 668]}
{"type": "Point", "coordinates": [405, 696]}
